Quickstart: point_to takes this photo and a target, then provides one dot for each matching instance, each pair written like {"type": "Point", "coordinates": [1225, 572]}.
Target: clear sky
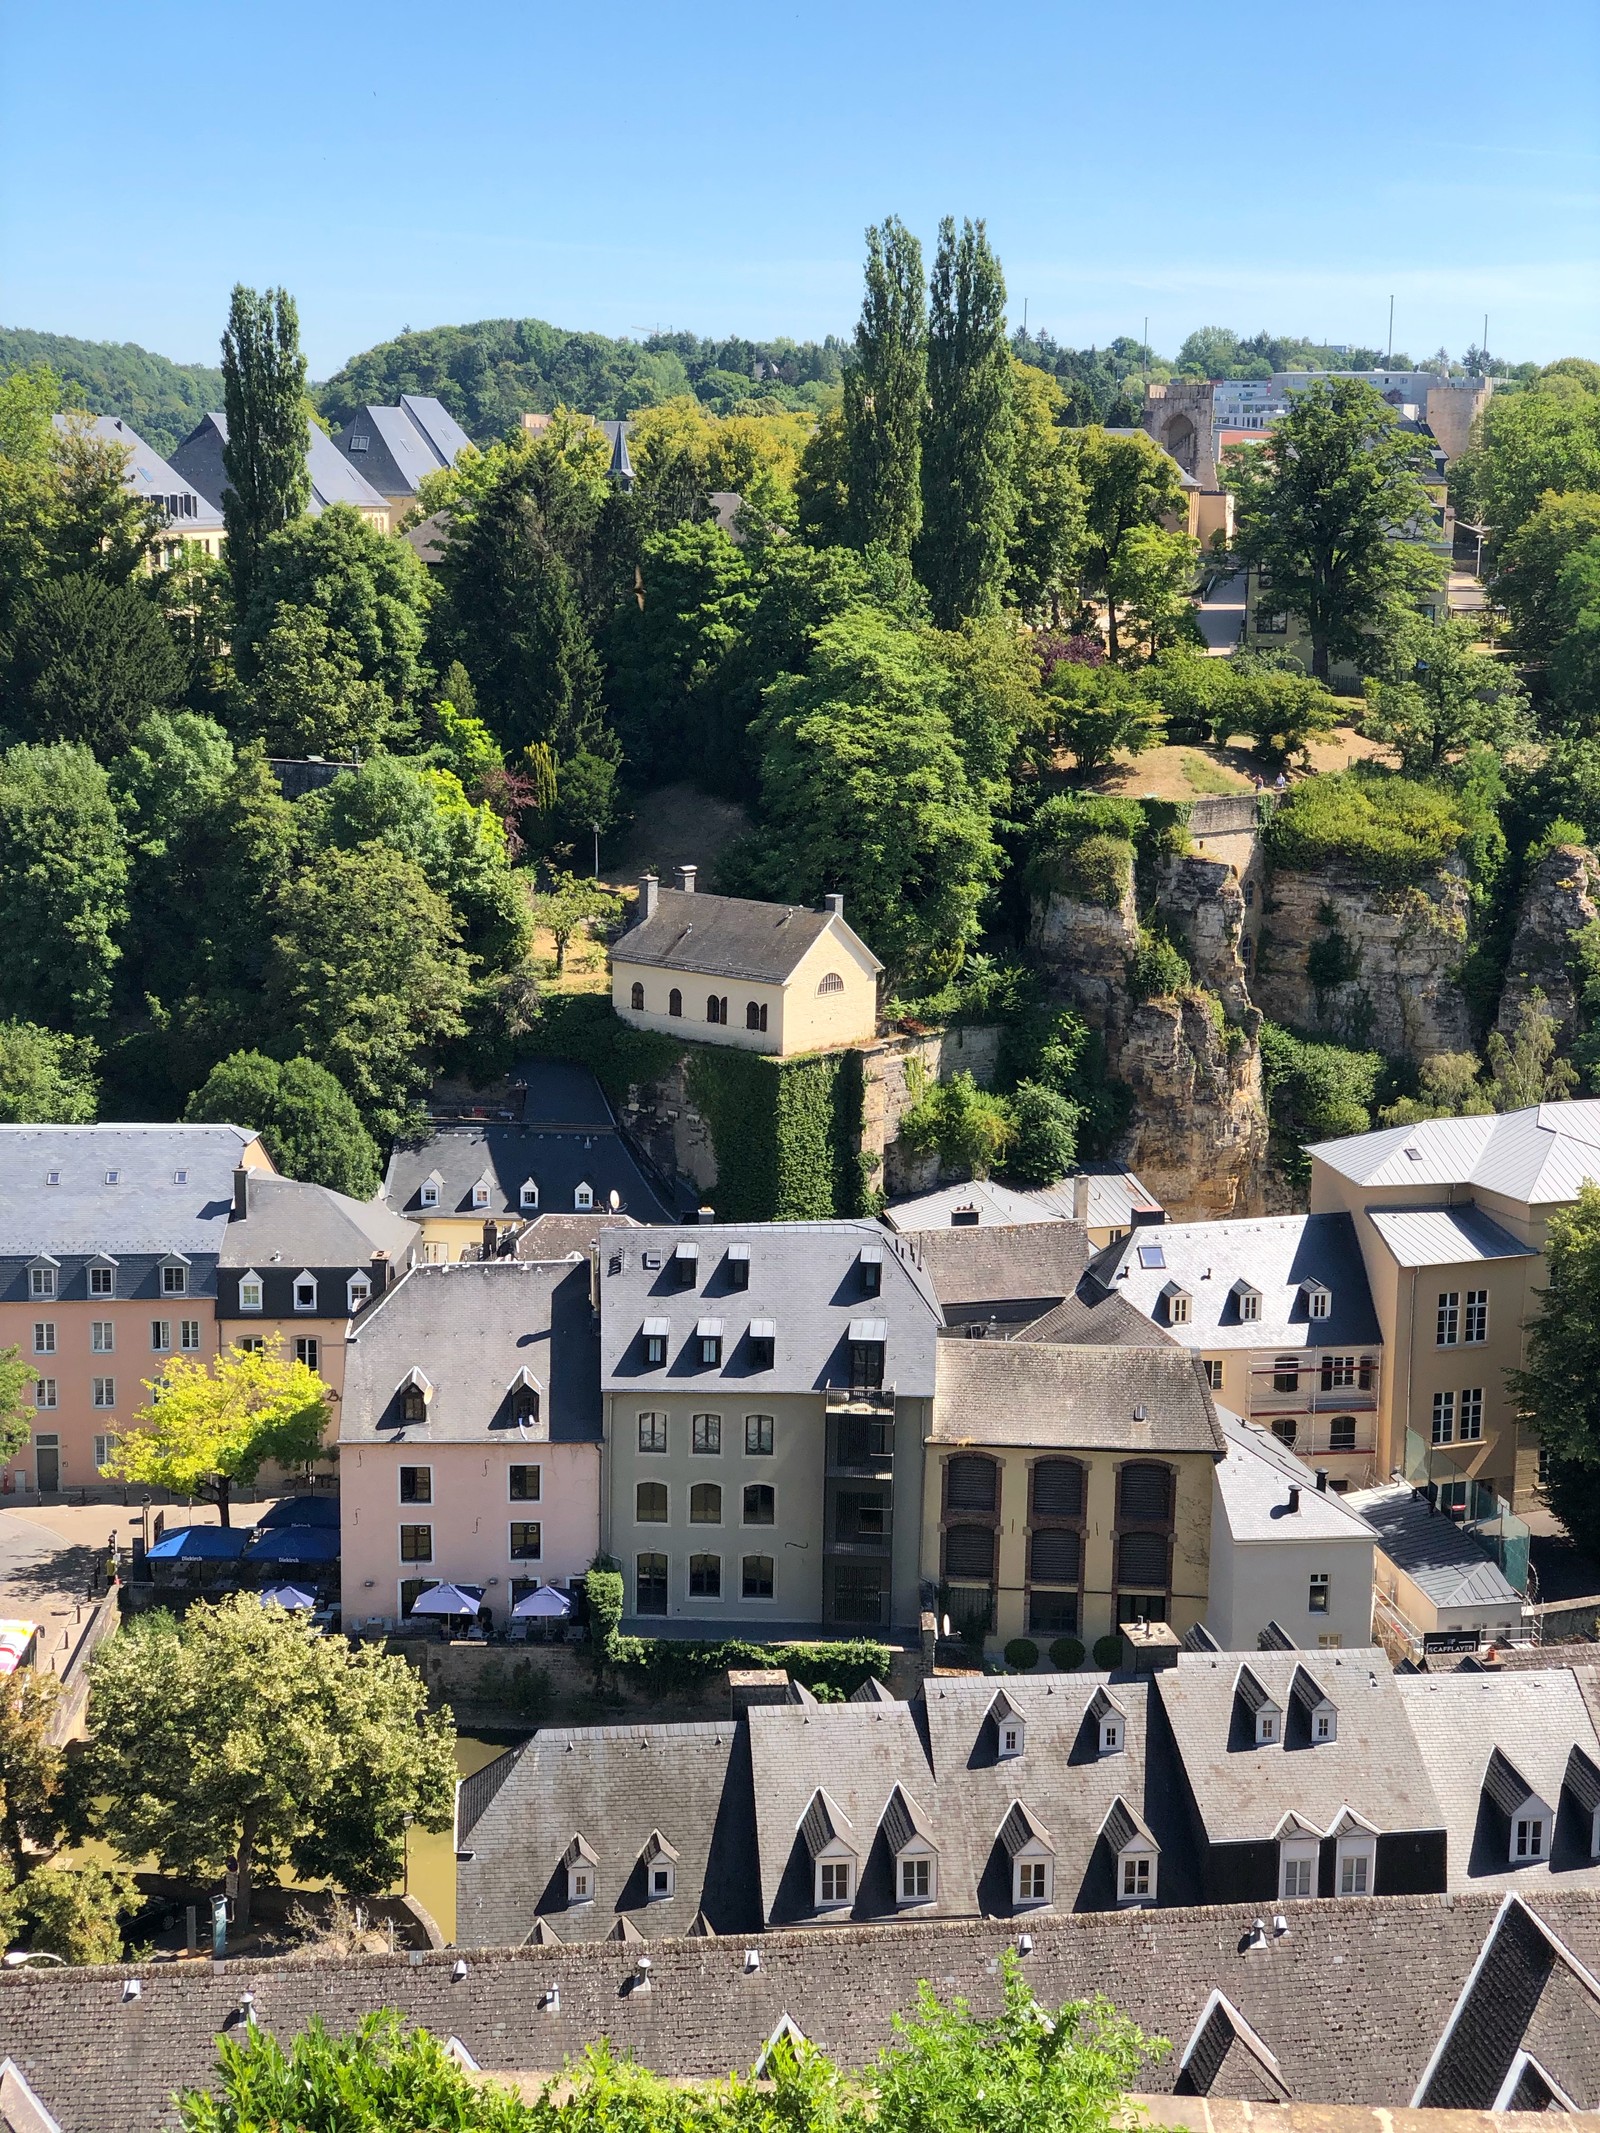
{"type": "Point", "coordinates": [712, 166]}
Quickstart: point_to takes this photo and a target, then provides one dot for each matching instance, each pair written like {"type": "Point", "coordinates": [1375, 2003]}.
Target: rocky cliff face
{"type": "Point", "coordinates": [1199, 1133]}
{"type": "Point", "coordinates": [1085, 948]}
{"type": "Point", "coordinates": [1561, 897]}
{"type": "Point", "coordinates": [1199, 901]}
{"type": "Point", "coordinates": [1372, 966]}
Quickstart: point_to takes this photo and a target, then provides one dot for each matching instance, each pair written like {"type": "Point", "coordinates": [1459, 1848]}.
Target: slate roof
{"type": "Point", "coordinates": [1442, 1559]}
{"type": "Point", "coordinates": [1254, 1481]}
{"type": "Point", "coordinates": [1012, 1274]}
{"type": "Point", "coordinates": [333, 479]}
{"type": "Point", "coordinates": [558, 1161]}
{"type": "Point", "coordinates": [146, 1210]}
{"type": "Point", "coordinates": [1116, 1199]}
{"type": "Point", "coordinates": [314, 1227]}
{"type": "Point", "coordinates": [1535, 1719]}
{"type": "Point", "coordinates": [1090, 1319]}
{"type": "Point", "coordinates": [731, 936]}
{"type": "Point", "coordinates": [805, 1277]}
{"type": "Point", "coordinates": [394, 447]}
{"type": "Point", "coordinates": [1023, 1392]}
{"type": "Point", "coordinates": [559, 1236]}
{"type": "Point", "coordinates": [470, 1329]}
{"type": "Point", "coordinates": [1242, 1791]}
{"type": "Point", "coordinates": [1274, 1255]}
{"type": "Point", "coordinates": [1443, 1236]}
{"type": "Point", "coordinates": [615, 1787]}
{"type": "Point", "coordinates": [150, 478]}
{"type": "Point", "coordinates": [1352, 2003]}
{"type": "Point", "coordinates": [1541, 1155]}
{"type": "Point", "coordinates": [556, 1092]}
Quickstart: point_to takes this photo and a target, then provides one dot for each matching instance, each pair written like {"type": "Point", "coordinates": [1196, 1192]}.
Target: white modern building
{"type": "Point", "coordinates": [1284, 1549]}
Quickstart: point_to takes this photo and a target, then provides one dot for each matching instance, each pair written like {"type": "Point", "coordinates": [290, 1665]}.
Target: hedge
{"type": "Point", "coordinates": [785, 1133]}
{"type": "Point", "coordinates": [672, 1666]}
{"type": "Point", "coordinates": [1392, 830]}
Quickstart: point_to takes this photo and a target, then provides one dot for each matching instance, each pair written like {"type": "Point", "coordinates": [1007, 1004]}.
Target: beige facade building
{"type": "Point", "coordinates": [772, 978]}
{"type": "Point", "coordinates": [1068, 1490]}
{"type": "Point", "coordinates": [1451, 1216]}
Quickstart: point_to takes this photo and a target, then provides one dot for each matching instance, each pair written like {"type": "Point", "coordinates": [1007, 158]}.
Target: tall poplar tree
{"type": "Point", "coordinates": [968, 438]}
{"type": "Point", "coordinates": [885, 390]}
{"type": "Point", "coordinates": [264, 397]}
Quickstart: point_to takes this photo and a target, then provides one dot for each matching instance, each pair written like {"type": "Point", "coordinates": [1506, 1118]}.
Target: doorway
{"type": "Point", "coordinates": [47, 1458]}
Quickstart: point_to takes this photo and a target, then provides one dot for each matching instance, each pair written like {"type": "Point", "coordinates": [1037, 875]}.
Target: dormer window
{"type": "Point", "coordinates": [1033, 1859]}
{"type": "Point", "coordinates": [428, 1191]}
{"type": "Point", "coordinates": [1317, 1707]}
{"type": "Point", "coordinates": [829, 1838]}
{"type": "Point", "coordinates": [1319, 1299]}
{"type": "Point", "coordinates": [1249, 1301]}
{"type": "Point", "coordinates": [305, 1292]}
{"type": "Point", "coordinates": [1263, 1714]}
{"type": "Point", "coordinates": [1355, 1864]}
{"type": "Point", "coordinates": [174, 1277]}
{"type": "Point", "coordinates": [686, 1265]}
{"type": "Point", "coordinates": [1135, 1853]}
{"type": "Point", "coordinates": [654, 1333]}
{"type": "Point", "coordinates": [763, 1343]}
{"type": "Point", "coordinates": [1297, 1865]}
{"type": "Point", "coordinates": [1179, 1304]}
{"type": "Point", "coordinates": [42, 1279]}
{"type": "Point", "coordinates": [1110, 1724]}
{"type": "Point", "coordinates": [737, 1266]}
{"type": "Point", "coordinates": [1011, 1728]}
{"type": "Point", "coordinates": [250, 1290]}
{"type": "Point", "coordinates": [708, 1341]}
{"type": "Point", "coordinates": [416, 1390]}
{"type": "Point", "coordinates": [583, 1198]}
{"type": "Point", "coordinates": [1529, 1819]}
{"type": "Point", "coordinates": [103, 1278]}
{"type": "Point", "coordinates": [522, 1398]}
{"type": "Point", "coordinates": [358, 1293]}
{"type": "Point", "coordinates": [660, 1863]}
{"type": "Point", "coordinates": [480, 1191]}
{"type": "Point", "coordinates": [871, 1264]}
{"type": "Point", "coordinates": [528, 1198]}
{"type": "Point", "coordinates": [582, 1871]}
{"type": "Point", "coordinates": [909, 1838]}
{"type": "Point", "coordinates": [1582, 1781]}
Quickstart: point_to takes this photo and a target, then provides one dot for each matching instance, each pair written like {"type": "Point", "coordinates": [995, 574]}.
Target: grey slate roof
{"type": "Point", "coordinates": [1441, 1558]}
{"type": "Point", "coordinates": [1254, 1481]}
{"type": "Point", "coordinates": [1013, 1274]}
{"type": "Point", "coordinates": [730, 936]}
{"type": "Point", "coordinates": [1115, 1199]}
{"type": "Point", "coordinates": [557, 1160]}
{"type": "Point", "coordinates": [1352, 2004]}
{"type": "Point", "coordinates": [1443, 1236]}
{"type": "Point", "coordinates": [1243, 1791]}
{"type": "Point", "coordinates": [147, 1209]}
{"type": "Point", "coordinates": [394, 447]}
{"type": "Point", "coordinates": [333, 479]}
{"type": "Point", "coordinates": [1274, 1254]}
{"type": "Point", "coordinates": [150, 478]}
{"type": "Point", "coordinates": [1025, 1392]}
{"type": "Point", "coordinates": [1535, 1720]}
{"type": "Point", "coordinates": [1542, 1155]}
{"type": "Point", "coordinates": [556, 1092]}
{"type": "Point", "coordinates": [470, 1329]}
{"type": "Point", "coordinates": [313, 1226]}
{"type": "Point", "coordinates": [615, 1787]}
{"type": "Point", "coordinates": [1092, 1319]}
{"type": "Point", "coordinates": [805, 1277]}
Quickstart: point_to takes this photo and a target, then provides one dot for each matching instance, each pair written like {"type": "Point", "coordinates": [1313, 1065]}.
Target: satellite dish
{"type": "Point", "coordinates": [614, 1199]}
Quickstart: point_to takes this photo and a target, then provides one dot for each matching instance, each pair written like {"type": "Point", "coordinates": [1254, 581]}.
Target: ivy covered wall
{"type": "Point", "coordinates": [786, 1133]}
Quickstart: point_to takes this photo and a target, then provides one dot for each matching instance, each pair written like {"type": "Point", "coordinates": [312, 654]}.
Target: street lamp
{"type": "Point", "coordinates": [596, 828]}
{"type": "Point", "coordinates": [407, 1821]}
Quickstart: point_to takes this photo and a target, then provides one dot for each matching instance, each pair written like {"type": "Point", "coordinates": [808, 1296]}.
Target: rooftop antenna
{"type": "Point", "coordinates": [1483, 347]}
{"type": "Point", "coordinates": [1144, 356]}
{"type": "Point", "coordinates": [1389, 358]}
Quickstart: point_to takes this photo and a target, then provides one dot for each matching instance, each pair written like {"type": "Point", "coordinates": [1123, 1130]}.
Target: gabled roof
{"type": "Point", "coordinates": [150, 477]}
{"type": "Point", "coordinates": [1124, 1827]}
{"type": "Point", "coordinates": [1276, 1255]}
{"type": "Point", "coordinates": [903, 1822]}
{"type": "Point", "coordinates": [1505, 1783]}
{"type": "Point", "coordinates": [733, 937]}
{"type": "Point", "coordinates": [395, 447]}
{"type": "Point", "coordinates": [1115, 1198]}
{"type": "Point", "coordinates": [1253, 1484]}
{"type": "Point", "coordinates": [1020, 1270]}
{"type": "Point", "coordinates": [1539, 1156]}
{"type": "Point", "coordinates": [824, 1823]}
{"type": "Point", "coordinates": [333, 478]}
{"type": "Point", "coordinates": [147, 1209]}
{"type": "Point", "coordinates": [314, 1226]}
{"type": "Point", "coordinates": [1022, 1392]}
{"type": "Point", "coordinates": [559, 1159]}
{"type": "Point", "coordinates": [1022, 1828]}
{"type": "Point", "coordinates": [1225, 2056]}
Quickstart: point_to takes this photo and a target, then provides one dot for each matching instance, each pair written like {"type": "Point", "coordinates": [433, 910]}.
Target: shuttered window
{"type": "Point", "coordinates": [1142, 1560]}
{"type": "Point", "coordinates": [1055, 1557]}
{"type": "Point", "coordinates": [970, 1484]}
{"type": "Point", "coordinates": [969, 1552]}
{"type": "Point", "coordinates": [1058, 1489]}
{"type": "Point", "coordinates": [1146, 1493]}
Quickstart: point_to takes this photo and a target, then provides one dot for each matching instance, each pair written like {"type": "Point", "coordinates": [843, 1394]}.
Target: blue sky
{"type": "Point", "coordinates": [713, 166]}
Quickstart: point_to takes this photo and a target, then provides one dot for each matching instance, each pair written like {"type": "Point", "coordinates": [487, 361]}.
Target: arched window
{"type": "Point", "coordinates": [970, 1484]}
{"type": "Point", "coordinates": [716, 1009]}
{"type": "Point", "coordinates": [829, 982]}
{"type": "Point", "coordinates": [705, 1504]}
{"type": "Point", "coordinates": [755, 1015]}
{"type": "Point", "coordinates": [637, 999]}
{"type": "Point", "coordinates": [650, 1503]}
{"type": "Point", "coordinates": [674, 1002]}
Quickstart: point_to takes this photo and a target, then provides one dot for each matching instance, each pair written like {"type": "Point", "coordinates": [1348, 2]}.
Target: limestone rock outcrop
{"type": "Point", "coordinates": [1561, 897]}
{"type": "Point", "coordinates": [1198, 1137]}
{"type": "Point", "coordinates": [1085, 947]}
{"type": "Point", "coordinates": [1346, 958]}
{"type": "Point", "coordinates": [1199, 901]}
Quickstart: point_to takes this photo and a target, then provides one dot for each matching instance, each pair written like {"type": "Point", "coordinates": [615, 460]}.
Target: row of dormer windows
{"type": "Point", "coordinates": [44, 1279]}
{"type": "Point", "coordinates": [482, 1196]}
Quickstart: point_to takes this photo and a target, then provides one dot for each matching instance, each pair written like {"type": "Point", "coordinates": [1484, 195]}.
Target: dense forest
{"type": "Point", "coordinates": [163, 400]}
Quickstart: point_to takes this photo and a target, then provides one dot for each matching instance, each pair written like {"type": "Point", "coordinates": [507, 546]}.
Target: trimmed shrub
{"type": "Point", "coordinates": [1067, 1653]}
{"type": "Point", "coordinates": [1388, 828]}
{"type": "Point", "coordinates": [1022, 1653]}
{"type": "Point", "coordinates": [1108, 1651]}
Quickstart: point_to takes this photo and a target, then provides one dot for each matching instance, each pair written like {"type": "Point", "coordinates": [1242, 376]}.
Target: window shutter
{"type": "Point", "coordinates": [969, 1552]}
{"type": "Point", "coordinates": [1142, 1561]}
{"type": "Point", "coordinates": [1146, 1493]}
{"type": "Point", "coordinates": [1055, 1558]}
{"type": "Point", "coordinates": [969, 1485]}
{"type": "Point", "coordinates": [1058, 1489]}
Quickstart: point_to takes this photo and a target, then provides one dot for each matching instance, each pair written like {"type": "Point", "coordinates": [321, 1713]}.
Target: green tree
{"type": "Point", "coordinates": [1529, 563]}
{"type": "Point", "coordinates": [885, 390]}
{"type": "Point", "coordinates": [212, 1427]}
{"type": "Point", "coordinates": [1319, 505]}
{"type": "Point", "coordinates": [309, 1125]}
{"type": "Point", "coordinates": [568, 903]}
{"type": "Point", "coordinates": [969, 432]}
{"type": "Point", "coordinates": [1279, 711]}
{"type": "Point", "coordinates": [307, 696]}
{"type": "Point", "coordinates": [1575, 655]}
{"type": "Point", "coordinates": [369, 590]}
{"type": "Point", "coordinates": [1524, 1067]}
{"type": "Point", "coordinates": [1150, 586]}
{"type": "Point", "coordinates": [1128, 482]}
{"type": "Point", "coordinates": [1046, 1138]}
{"type": "Point", "coordinates": [1442, 695]}
{"type": "Point", "coordinates": [1097, 713]}
{"type": "Point", "coordinates": [1048, 530]}
{"type": "Point", "coordinates": [864, 790]}
{"type": "Point", "coordinates": [33, 1769]}
{"type": "Point", "coordinates": [241, 1735]}
{"type": "Point", "coordinates": [1558, 1387]}
{"type": "Point", "coordinates": [88, 662]}
{"type": "Point", "coordinates": [46, 1079]}
{"type": "Point", "coordinates": [971, 1129]}
{"type": "Point", "coordinates": [98, 524]}
{"type": "Point", "coordinates": [1315, 1092]}
{"type": "Point", "coordinates": [367, 978]}
{"type": "Point", "coordinates": [1527, 445]}
{"type": "Point", "coordinates": [822, 500]}
{"type": "Point", "coordinates": [63, 885]}
{"type": "Point", "coordinates": [264, 398]}
{"type": "Point", "coordinates": [76, 1912]}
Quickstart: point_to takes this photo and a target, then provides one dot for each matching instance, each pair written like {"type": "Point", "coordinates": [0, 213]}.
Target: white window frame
{"type": "Point", "coordinates": [1129, 1864]}
{"type": "Point", "coordinates": [1013, 1735]}
{"type": "Point", "coordinates": [252, 1291]}
{"type": "Point", "coordinates": [1249, 1306]}
{"type": "Point", "coordinates": [1447, 1319]}
{"type": "Point", "coordinates": [46, 1393]}
{"type": "Point", "coordinates": [304, 1279]}
{"type": "Point", "coordinates": [106, 1274]}
{"type": "Point", "coordinates": [580, 1883]}
{"type": "Point", "coordinates": [529, 1195]}
{"type": "Point", "coordinates": [174, 1278]}
{"type": "Point", "coordinates": [1533, 1832]}
{"type": "Point", "coordinates": [1033, 1857]}
{"type": "Point", "coordinates": [102, 1336]}
{"type": "Point", "coordinates": [161, 1336]}
{"type": "Point", "coordinates": [103, 1393]}
{"type": "Point", "coordinates": [1297, 1861]}
{"type": "Point", "coordinates": [835, 1863]}
{"type": "Point", "coordinates": [189, 1336]}
{"type": "Point", "coordinates": [1319, 1588]}
{"type": "Point", "coordinates": [44, 1336]}
{"type": "Point", "coordinates": [659, 1879]}
{"type": "Point", "coordinates": [1319, 1303]}
{"type": "Point", "coordinates": [1110, 1736]}
{"type": "Point", "coordinates": [1178, 1308]}
{"type": "Point", "coordinates": [1268, 1720]}
{"type": "Point", "coordinates": [1469, 1415]}
{"type": "Point", "coordinates": [104, 1446]}
{"type": "Point", "coordinates": [42, 1284]}
{"type": "Point", "coordinates": [1442, 1423]}
{"type": "Point", "coordinates": [1475, 1318]}
{"type": "Point", "coordinates": [410, 1503]}
{"type": "Point", "coordinates": [915, 1857]}
{"type": "Point", "coordinates": [583, 1198]}
{"type": "Point", "coordinates": [428, 1194]}
{"type": "Point", "coordinates": [357, 1293]}
{"type": "Point", "coordinates": [1355, 1859]}
{"type": "Point", "coordinates": [480, 1195]}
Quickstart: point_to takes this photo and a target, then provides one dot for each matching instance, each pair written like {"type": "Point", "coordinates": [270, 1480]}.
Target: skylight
{"type": "Point", "coordinates": [1152, 1256]}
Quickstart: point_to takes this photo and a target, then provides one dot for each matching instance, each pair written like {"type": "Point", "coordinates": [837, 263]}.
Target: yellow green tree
{"type": "Point", "coordinates": [211, 1427]}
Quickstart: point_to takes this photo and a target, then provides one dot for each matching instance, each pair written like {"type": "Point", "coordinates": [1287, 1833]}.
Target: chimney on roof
{"type": "Point", "coordinates": [380, 1274]}
{"type": "Point", "coordinates": [1080, 1197]}
{"type": "Point", "coordinates": [1322, 1481]}
{"type": "Point", "coordinates": [649, 890]}
{"type": "Point", "coordinates": [833, 904]}
{"type": "Point", "coordinates": [491, 1240]}
{"type": "Point", "coordinates": [686, 880]}
{"type": "Point", "coordinates": [1294, 1501]}
{"type": "Point", "coordinates": [241, 1193]}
